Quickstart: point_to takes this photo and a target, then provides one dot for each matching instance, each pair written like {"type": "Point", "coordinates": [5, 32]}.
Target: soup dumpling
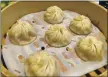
{"type": "Point", "coordinates": [54, 15]}
{"type": "Point", "coordinates": [58, 36]}
{"type": "Point", "coordinates": [41, 64]}
{"type": "Point", "coordinates": [81, 25]}
{"type": "Point", "coordinates": [90, 49]}
{"type": "Point", "coordinates": [21, 33]}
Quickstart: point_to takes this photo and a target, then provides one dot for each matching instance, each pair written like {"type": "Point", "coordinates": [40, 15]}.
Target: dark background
{"type": "Point", "coordinates": [104, 4]}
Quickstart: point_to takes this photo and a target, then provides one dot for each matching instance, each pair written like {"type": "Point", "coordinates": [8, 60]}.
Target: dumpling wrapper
{"type": "Point", "coordinates": [90, 49]}
{"type": "Point", "coordinates": [21, 33]}
{"type": "Point", "coordinates": [41, 64]}
{"type": "Point", "coordinates": [54, 15]}
{"type": "Point", "coordinates": [81, 25]}
{"type": "Point", "coordinates": [58, 36]}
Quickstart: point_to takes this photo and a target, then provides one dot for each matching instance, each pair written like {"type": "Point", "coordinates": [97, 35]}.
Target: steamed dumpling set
{"type": "Point", "coordinates": [42, 63]}
{"type": "Point", "coordinates": [58, 36]}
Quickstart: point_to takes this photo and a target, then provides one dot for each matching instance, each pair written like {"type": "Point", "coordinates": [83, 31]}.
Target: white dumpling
{"type": "Point", "coordinates": [21, 33]}
{"type": "Point", "coordinates": [90, 49]}
{"type": "Point", "coordinates": [54, 15]}
{"type": "Point", "coordinates": [58, 36]}
{"type": "Point", "coordinates": [81, 25]}
{"type": "Point", "coordinates": [41, 64]}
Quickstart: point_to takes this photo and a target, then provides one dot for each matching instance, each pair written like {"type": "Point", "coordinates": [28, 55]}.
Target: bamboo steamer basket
{"type": "Point", "coordinates": [16, 10]}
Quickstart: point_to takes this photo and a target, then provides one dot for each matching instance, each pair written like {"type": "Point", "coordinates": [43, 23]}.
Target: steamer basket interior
{"type": "Point", "coordinates": [13, 12]}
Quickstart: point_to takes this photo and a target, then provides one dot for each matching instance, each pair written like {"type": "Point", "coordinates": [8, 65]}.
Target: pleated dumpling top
{"type": "Point", "coordinates": [41, 64]}
{"type": "Point", "coordinates": [21, 33]}
{"type": "Point", "coordinates": [54, 15]}
{"type": "Point", "coordinates": [90, 49]}
{"type": "Point", "coordinates": [81, 25]}
{"type": "Point", "coordinates": [58, 36]}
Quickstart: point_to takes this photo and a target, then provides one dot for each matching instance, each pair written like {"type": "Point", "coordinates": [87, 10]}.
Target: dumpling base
{"type": "Point", "coordinates": [85, 58]}
{"type": "Point", "coordinates": [55, 44]}
{"type": "Point", "coordinates": [21, 43]}
{"type": "Point", "coordinates": [79, 33]}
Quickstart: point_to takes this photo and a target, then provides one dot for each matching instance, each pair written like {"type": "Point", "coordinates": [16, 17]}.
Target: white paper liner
{"type": "Point", "coordinates": [70, 62]}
